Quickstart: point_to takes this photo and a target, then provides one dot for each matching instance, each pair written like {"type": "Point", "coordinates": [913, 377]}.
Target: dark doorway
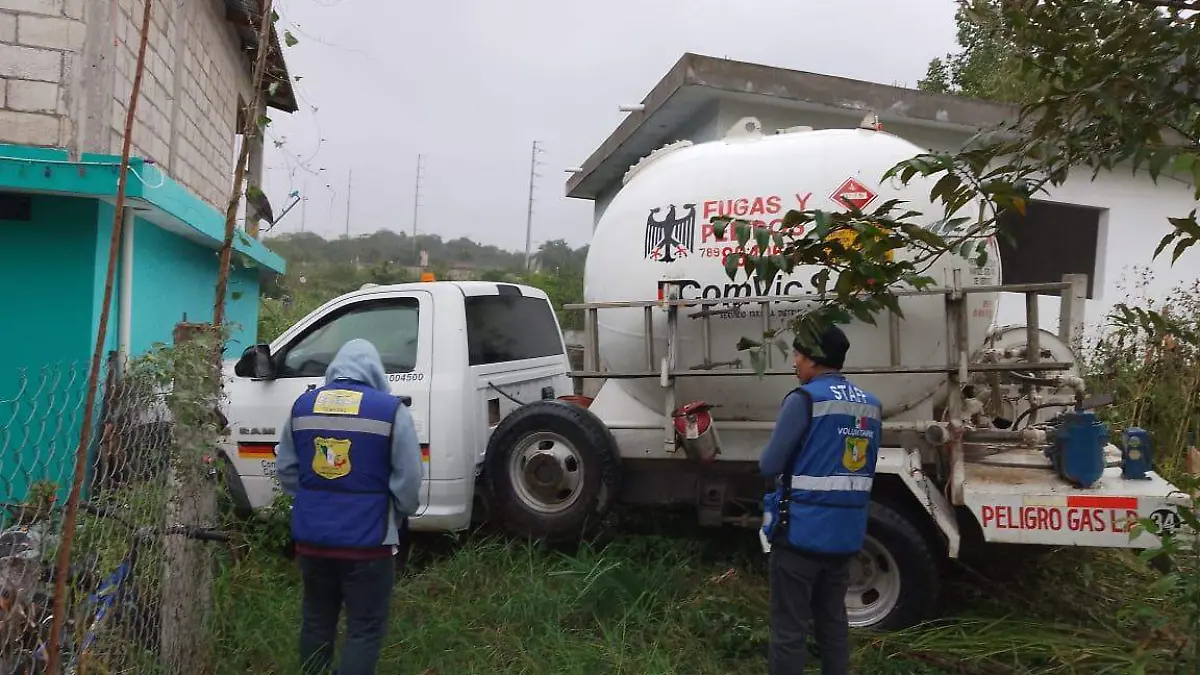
{"type": "Point", "coordinates": [1050, 240]}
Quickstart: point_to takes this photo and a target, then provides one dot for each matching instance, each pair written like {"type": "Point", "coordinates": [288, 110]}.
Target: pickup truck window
{"type": "Point", "coordinates": [503, 328]}
{"type": "Point", "coordinates": [389, 324]}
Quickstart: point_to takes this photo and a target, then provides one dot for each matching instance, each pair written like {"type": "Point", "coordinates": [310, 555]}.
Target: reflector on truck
{"type": "Point", "coordinates": [260, 450]}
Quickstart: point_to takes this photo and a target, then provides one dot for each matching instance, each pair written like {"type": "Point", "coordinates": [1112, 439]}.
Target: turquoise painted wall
{"type": "Point", "coordinates": [47, 273]}
{"type": "Point", "coordinates": [52, 272]}
{"type": "Point", "coordinates": [173, 275]}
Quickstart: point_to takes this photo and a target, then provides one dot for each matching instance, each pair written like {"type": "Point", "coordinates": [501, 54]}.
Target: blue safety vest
{"type": "Point", "coordinates": [342, 433]}
{"type": "Point", "coordinates": [821, 507]}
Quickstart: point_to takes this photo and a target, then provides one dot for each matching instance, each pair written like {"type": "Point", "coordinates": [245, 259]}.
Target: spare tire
{"type": "Point", "coordinates": [554, 471]}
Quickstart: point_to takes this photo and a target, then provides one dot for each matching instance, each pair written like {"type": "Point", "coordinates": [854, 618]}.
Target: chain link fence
{"type": "Point", "coordinates": [138, 585]}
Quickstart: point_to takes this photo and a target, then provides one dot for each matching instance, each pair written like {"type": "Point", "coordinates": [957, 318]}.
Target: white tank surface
{"type": "Point", "coordinates": [659, 227]}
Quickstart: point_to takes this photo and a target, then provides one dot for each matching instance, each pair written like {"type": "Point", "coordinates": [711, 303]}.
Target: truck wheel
{"type": "Point", "coordinates": [236, 490]}
{"type": "Point", "coordinates": [893, 580]}
{"type": "Point", "coordinates": [554, 471]}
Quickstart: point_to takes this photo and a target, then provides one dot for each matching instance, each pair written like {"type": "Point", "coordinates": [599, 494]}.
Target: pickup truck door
{"type": "Point", "coordinates": [399, 324]}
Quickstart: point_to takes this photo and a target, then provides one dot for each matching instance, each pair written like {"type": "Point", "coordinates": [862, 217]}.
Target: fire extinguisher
{"type": "Point", "coordinates": [695, 432]}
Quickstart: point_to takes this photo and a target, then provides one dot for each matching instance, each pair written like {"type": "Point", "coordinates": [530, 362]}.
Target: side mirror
{"type": "Point", "coordinates": [256, 362]}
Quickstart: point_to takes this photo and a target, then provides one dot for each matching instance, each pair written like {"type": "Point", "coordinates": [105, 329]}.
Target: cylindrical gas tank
{"type": "Point", "coordinates": [659, 227]}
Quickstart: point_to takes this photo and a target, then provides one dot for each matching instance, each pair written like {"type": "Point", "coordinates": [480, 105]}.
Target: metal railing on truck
{"type": "Point", "coordinates": [1072, 291]}
{"type": "Point", "coordinates": [958, 365]}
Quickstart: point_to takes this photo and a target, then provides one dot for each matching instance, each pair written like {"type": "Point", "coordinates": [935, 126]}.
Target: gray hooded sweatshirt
{"type": "Point", "coordinates": [358, 361]}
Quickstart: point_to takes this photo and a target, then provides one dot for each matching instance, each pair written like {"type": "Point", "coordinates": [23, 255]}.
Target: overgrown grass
{"type": "Point", "coordinates": [659, 604]}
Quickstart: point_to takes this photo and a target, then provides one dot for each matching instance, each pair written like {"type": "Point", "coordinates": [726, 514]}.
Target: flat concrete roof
{"type": "Point", "coordinates": [697, 81]}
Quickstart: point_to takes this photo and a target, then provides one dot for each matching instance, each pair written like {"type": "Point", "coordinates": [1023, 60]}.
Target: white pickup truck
{"type": "Point", "coordinates": [463, 353]}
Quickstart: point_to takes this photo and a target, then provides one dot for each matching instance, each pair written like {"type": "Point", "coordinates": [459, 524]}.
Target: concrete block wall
{"type": "Point", "coordinates": [37, 40]}
{"type": "Point", "coordinates": [67, 69]}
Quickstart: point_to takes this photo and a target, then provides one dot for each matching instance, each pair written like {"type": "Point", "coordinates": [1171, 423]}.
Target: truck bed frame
{"type": "Point", "coordinates": [1001, 476]}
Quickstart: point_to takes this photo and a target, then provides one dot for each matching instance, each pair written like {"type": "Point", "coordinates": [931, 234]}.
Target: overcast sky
{"type": "Point", "coordinates": [470, 84]}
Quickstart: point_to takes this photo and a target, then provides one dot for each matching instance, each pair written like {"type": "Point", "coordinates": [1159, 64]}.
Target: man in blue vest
{"type": "Point", "coordinates": [349, 457]}
{"type": "Point", "coordinates": [822, 454]}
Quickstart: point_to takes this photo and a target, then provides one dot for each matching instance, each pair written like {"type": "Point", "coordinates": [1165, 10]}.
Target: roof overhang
{"type": "Point", "coordinates": [245, 15]}
{"type": "Point", "coordinates": [697, 83]}
{"type": "Point", "coordinates": [164, 202]}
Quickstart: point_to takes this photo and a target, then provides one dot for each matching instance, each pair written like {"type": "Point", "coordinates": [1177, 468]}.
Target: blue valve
{"type": "Point", "coordinates": [1078, 449]}
{"type": "Point", "coordinates": [1137, 454]}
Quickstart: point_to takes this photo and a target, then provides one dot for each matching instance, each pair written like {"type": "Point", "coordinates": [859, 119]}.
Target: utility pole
{"type": "Point", "coordinates": [349, 187]}
{"type": "Point", "coordinates": [533, 163]}
{"type": "Point", "coordinates": [416, 211]}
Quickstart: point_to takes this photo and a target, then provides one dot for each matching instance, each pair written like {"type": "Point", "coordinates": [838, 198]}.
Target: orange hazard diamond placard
{"type": "Point", "coordinates": [853, 195]}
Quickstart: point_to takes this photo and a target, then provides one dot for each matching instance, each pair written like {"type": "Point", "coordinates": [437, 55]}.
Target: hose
{"type": "Point", "coordinates": [1029, 378]}
{"type": "Point", "coordinates": [505, 394]}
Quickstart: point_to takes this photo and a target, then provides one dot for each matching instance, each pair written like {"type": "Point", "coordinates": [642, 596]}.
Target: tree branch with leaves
{"type": "Point", "coordinates": [1118, 83]}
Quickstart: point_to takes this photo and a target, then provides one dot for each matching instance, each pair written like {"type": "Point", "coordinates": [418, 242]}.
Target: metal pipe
{"type": "Point", "coordinates": [125, 298]}
{"type": "Point", "coordinates": [962, 338]}
{"type": "Point", "coordinates": [649, 336]}
{"type": "Point", "coordinates": [894, 338]}
{"type": "Point", "coordinates": [709, 302]}
{"type": "Point", "coordinates": [1033, 345]}
{"type": "Point", "coordinates": [765, 308]}
{"type": "Point", "coordinates": [955, 305]}
{"type": "Point", "coordinates": [668, 381]}
{"type": "Point", "coordinates": [593, 318]}
{"type": "Point", "coordinates": [1033, 340]}
{"type": "Point", "coordinates": [706, 335]}
{"type": "Point", "coordinates": [877, 370]}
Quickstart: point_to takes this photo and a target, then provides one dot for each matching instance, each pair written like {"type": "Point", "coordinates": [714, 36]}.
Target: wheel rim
{"type": "Point", "coordinates": [874, 589]}
{"type": "Point", "coordinates": [546, 472]}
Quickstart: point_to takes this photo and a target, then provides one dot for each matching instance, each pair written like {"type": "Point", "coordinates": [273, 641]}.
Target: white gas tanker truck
{"type": "Point", "coordinates": [988, 434]}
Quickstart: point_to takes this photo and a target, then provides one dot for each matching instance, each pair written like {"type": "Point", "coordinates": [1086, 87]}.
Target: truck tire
{"type": "Point", "coordinates": [894, 579]}
{"type": "Point", "coordinates": [235, 489]}
{"type": "Point", "coordinates": [553, 469]}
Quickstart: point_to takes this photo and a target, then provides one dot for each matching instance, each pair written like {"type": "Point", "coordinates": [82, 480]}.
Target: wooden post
{"type": "Point", "coordinates": [187, 575]}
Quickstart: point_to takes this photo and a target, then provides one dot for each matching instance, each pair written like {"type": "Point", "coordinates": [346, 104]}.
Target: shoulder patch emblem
{"type": "Point", "coordinates": [332, 457]}
{"type": "Point", "coordinates": [338, 402]}
{"type": "Point", "coordinates": [854, 457]}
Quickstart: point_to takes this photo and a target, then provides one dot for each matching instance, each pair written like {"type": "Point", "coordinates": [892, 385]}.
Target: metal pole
{"type": "Point", "coordinates": [349, 187]}
{"type": "Point", "coordinates": [416, 209]}
{"type": "Point", "coordinates": [529, 210]}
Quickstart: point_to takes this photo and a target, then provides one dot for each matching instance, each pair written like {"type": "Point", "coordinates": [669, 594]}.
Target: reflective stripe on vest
{"type": "Point", "coordinates": [826, 408]}
{"type": "Point", "coordinates": [335, 423]}
{"type": "Point", "coordinates": [833, 483]}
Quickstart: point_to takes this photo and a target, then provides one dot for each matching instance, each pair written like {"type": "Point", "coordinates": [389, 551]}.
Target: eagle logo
{"type": "Point", "coordinates": [673, 236]}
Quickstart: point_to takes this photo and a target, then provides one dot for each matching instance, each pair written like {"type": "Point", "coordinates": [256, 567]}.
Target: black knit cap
{"type": "Point", "coordinates": [833, 343]}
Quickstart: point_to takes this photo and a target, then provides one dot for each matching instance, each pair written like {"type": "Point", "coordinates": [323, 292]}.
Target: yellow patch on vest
{"type": "Point", "coordinates": [855, 455]}
{"type": "Point", "coordinates": [338, 402]}
{"type": "Point", "coordinates": [332, 457]}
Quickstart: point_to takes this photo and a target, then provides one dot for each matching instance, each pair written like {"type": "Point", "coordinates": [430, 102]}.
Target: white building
{"type": "Point", "coordinates": [1101, 228]}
